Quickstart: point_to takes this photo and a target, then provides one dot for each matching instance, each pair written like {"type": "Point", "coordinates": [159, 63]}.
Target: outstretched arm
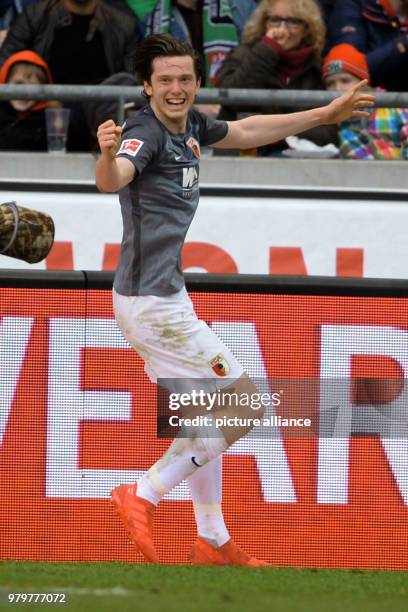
{"type": "Point", "coordinates": [112, 173]}
{"type": "Point", "coordinates": [261, 130]}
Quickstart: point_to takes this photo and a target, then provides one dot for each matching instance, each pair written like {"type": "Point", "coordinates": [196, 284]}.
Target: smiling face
{"type": "Point", "coordinates": [23, 74]}
{"type": "Point", "coordinates": [172, 90]}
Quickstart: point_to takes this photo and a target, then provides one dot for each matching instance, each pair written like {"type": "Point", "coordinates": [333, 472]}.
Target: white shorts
{"type": "Point", "coordinates": [172, 341]}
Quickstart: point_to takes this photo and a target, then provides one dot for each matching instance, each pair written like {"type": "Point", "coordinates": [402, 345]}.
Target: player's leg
{"type": "Point", "coordinates": [186, 455]}
{"type": "Point", "coordinates": [135, 503]}
{"type": "Point", "coordinates": [198, 459]}
{"type": "Point", "coordinates": [213, 545]}
{"type": "Point", "coordinates": [195, 447]}
{"type": "Point", "coordinates": [206, 494]}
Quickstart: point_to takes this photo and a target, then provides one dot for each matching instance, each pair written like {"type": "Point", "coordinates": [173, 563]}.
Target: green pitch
{"type": "Point", "coordinates": [119, 587]}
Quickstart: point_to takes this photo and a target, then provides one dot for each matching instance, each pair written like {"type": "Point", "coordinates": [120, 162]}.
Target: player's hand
{"type": "Point", "coordinates": [351, 104]}
{"type": "Point", "coordinates": [109, 138]}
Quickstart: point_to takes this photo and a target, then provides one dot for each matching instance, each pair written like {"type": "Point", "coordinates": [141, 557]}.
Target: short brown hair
{"type": "Point", "coordinates": [162, 45]}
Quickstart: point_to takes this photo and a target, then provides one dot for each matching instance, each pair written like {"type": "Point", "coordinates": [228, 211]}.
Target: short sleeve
{"type": "Point", "coordinates": [211, 130]}
{"type": "Point", "coordinates": [141, 141]}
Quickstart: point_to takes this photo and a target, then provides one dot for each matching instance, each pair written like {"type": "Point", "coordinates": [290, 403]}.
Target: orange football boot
{"type": "Point", "coordinates": [229, 553]}
{"type": "Point", "coordinates": [136, 515]}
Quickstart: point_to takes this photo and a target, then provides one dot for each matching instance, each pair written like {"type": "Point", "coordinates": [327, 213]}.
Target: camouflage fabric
{"type": "Point", "coordinates": [25, 234]}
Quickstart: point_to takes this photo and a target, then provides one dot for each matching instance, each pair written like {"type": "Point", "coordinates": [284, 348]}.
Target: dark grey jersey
{"type": "Point", "coordinates": [159, 204]}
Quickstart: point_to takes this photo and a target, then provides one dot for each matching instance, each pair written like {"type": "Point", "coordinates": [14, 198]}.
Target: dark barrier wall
{"type": "Point", "coordinates": [78, 417]}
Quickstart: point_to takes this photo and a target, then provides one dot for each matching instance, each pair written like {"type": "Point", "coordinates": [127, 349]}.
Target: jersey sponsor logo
{"type": "Point", "coordinates": [190, 178]}
{"type": "Point", "coordinates": [131, 146]}
{"type": "Point", "coordinates": [220, 365]}
{"type": "Point", "coordinates": [194, 145]}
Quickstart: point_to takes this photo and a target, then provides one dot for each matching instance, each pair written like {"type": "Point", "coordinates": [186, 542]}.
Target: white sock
{"type": "Point", "coordinates": [206, 492]}
{"type": "Point", "coordinates": [150, 486]}
{"type": "Point", "coordinates": [183, 458]}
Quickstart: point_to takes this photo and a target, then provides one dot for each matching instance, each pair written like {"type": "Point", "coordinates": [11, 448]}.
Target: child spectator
{"type": "Point", "coordinates": [83, 42]}
{"type": "Point", "coordinates": [384, 135]}
{"type": "Point", "coordinates": [22, 122]}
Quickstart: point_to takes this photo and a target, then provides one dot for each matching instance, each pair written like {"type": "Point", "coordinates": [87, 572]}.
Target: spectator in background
{"type": "Point", "coordinates": [378, 28]}
{"type": "Point", "coordinates": [384, 135]}
{"type": "Point", "coordinates": [9, 9]}
{"type": "Point", "coordinates": [281, 48]}
{"type": "Point", "coordinates": [212, 28]}
{"type": "Point", "coordinates": [241, 11]}
{"type": "Point", "coordinates": [22, 122]}
{"type": "Point", "coordinates": [83, 42]}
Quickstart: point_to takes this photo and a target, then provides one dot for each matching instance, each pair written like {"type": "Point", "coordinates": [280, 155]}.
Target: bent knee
{"type": "Point", "coordinates": [250, 402]}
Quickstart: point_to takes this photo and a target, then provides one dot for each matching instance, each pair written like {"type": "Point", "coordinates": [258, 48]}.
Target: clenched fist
{"type": "Point", "coordinates": [109, 137]}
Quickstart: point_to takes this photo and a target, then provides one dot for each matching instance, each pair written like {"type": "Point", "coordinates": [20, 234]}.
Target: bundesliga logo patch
{"type": "Point", "coordinates": [131, 146]}
{"type": "Point", "coordinates": [220, 365]}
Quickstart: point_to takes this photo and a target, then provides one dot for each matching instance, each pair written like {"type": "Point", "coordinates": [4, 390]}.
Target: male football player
{"type": "Point", "coordinates": [153, 163]}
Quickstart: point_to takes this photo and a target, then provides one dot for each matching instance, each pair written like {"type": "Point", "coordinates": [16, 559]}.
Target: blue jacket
{"type": "Point", "coordinates": [367, 26]}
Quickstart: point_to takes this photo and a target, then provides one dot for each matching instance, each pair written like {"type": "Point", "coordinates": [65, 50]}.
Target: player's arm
{"type": "Point", "coordinates": [260, 130]}
{"type": "Point", "coordinates": [112, 173]}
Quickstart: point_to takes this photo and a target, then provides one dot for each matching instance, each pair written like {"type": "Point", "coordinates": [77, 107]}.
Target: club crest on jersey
{"type": "Point", "coordinates": [193, 144]}
{"type": "Point", "coordinates": [131, 146]}
{"type": "Point", "coordinates": [220, 365]}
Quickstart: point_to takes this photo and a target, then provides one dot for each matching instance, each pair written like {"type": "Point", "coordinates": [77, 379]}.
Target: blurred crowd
{"type": "Point", "coordinates": [258, 44]}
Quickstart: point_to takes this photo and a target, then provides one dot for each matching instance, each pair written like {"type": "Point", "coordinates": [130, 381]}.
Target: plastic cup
{"type": "Point", "coordinates": [57, 120]}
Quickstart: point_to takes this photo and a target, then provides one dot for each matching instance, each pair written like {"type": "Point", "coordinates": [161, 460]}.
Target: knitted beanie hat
{"type": "Point", "coordinates": [346, 58]}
